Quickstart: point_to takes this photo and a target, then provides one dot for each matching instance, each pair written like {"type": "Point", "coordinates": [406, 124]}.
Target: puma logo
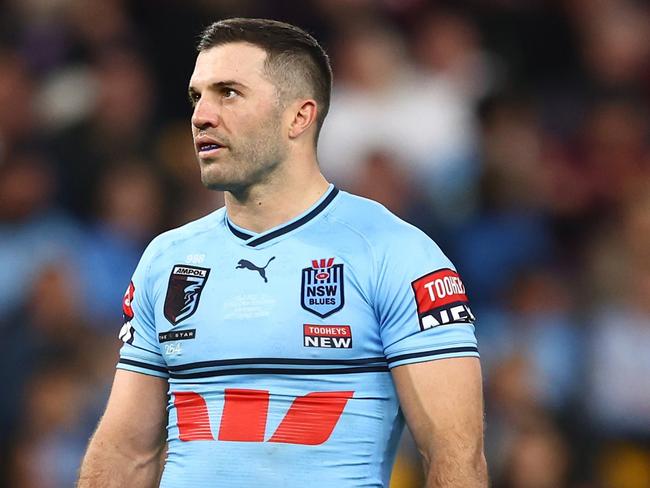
{"type": "Point", "coordinates": [245, 264]}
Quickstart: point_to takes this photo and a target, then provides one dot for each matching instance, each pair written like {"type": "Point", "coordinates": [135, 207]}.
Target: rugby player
{"type": "Point", "coordinates": [284, 339]}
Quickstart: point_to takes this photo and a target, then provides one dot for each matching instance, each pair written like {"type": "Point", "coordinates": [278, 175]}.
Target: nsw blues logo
{"type": "Point", "coordinates": [183, 292]}
{"type": "Point", "coordinates": [322, 287]}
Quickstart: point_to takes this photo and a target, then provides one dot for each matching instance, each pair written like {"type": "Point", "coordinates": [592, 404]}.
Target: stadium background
{"type": "Point", "coordinates": [514, 132]}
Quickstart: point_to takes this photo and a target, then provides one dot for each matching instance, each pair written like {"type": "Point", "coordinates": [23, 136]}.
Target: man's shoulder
{"type": "Point", "coordinates": [185, 232]}
{"type": "Point", "coordinates": [375, 222]}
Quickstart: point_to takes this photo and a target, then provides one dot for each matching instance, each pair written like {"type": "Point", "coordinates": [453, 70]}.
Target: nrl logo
{"type": "Point", "coordinates": [322, 287]}
{"type": "Point", "coordinates": [183, 292]}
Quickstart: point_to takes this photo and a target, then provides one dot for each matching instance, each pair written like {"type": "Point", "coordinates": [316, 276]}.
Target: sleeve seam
{"type": "Point", "coordinates": [128, 359]}
{"type": "Point", "coordinates": [466, 342]}
{"type": "Point", "coordinates": [468, 350]}
{"type": "Point", "coordinates": [369, 245]}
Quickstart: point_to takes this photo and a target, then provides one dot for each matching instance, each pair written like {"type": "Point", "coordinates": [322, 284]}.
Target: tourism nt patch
{"type": "Point", "coordinates": [441, 299]}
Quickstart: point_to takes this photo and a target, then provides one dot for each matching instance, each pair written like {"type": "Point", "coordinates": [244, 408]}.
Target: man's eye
{"type": "Point", "coordinates": [229, 93]}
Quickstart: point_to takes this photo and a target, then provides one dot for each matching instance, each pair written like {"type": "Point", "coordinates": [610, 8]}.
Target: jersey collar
{"type": "Point", "coordinates": [253, 240]}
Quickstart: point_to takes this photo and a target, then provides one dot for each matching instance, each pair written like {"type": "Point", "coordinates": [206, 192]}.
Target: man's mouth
{"type": "Point", "coordinates": [206, 146]}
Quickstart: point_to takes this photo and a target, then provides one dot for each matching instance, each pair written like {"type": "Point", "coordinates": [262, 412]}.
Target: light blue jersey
{"type": "Point", "coordinates": [278, 346]}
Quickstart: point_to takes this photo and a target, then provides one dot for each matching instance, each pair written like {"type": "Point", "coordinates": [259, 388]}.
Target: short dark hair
{"type": "Point", "coordinates": [295, 61]}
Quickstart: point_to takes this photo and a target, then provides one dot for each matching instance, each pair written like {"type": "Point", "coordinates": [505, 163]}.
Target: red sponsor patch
{"type": "Point", "coordinates": [310, 420]}
{"type": "Point", "coordinates": [327, 330]}
{"type": "Point", "coordinates": [331, 336]}
{"type": "Point", "coordinates": [438, 289]}
{"type": "Point", "coordinates": [440, 298]}
{"type": "Point", "coordinates": [127, 301]}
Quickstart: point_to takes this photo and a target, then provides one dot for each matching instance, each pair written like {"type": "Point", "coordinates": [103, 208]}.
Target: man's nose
{"type": "Point", "coordinates": [205, 115]}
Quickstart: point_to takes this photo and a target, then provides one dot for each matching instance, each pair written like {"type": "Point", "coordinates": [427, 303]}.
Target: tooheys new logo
{"type": "Point", "coordinates": [441, 299]}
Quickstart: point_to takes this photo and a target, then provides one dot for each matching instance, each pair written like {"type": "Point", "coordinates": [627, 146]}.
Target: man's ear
{"type": "Point", "coordinates": [304, 117]}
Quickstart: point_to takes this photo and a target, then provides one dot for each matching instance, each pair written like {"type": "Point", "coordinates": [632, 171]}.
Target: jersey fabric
{"type": "Point", "coordinates": [278, 346]}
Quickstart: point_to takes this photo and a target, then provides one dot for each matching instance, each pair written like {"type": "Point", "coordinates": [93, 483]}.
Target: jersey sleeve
{"type": "Point", "coordinates": [141, 350]}
{"type": "Point", "coordinates": [421, 302]}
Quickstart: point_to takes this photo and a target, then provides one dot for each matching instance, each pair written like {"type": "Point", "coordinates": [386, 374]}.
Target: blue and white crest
{"type": "Point", "coordinates": [183, 292]}
{"type": "Point", "coordinates": [321, 292]}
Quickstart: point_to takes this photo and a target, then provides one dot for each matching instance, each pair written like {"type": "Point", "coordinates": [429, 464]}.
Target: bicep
{"type": "Point", "coordinates": [443, 405]}
{"type": "Point", "coordinates": [136, 413]}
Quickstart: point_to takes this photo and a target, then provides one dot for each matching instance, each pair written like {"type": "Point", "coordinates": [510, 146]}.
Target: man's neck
{"type": "Point", "coordinates": [281, 198]}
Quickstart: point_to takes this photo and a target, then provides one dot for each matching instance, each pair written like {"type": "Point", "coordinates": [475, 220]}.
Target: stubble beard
{"type": "Point", "coordinates": [247, 162]}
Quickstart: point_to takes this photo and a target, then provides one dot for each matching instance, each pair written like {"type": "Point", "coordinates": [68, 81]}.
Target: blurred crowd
{"type": "Point", "coordinates": [516, 133]}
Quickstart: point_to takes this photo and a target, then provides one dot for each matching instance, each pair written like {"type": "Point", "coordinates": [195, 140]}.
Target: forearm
{"type": "Point", "coordinates": [109, 464]}
{"type": "Point", "coordinates": [447, 470]}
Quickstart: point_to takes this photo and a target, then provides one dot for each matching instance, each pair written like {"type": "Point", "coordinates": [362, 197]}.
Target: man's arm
{"type": "Point", "coordinates": [126, 449]}
{"type": "Point", "coordinates": [443, 404]}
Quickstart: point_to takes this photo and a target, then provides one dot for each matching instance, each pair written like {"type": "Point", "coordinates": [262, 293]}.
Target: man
{"type": "Point", "coordinates": [278, 337]}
